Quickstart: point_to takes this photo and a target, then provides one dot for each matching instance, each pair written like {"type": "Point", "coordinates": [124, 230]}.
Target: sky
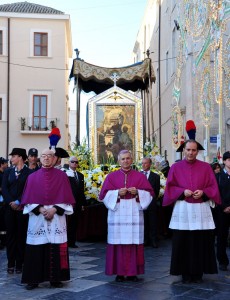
{"type": "Point", "coordinates": [104, 31]}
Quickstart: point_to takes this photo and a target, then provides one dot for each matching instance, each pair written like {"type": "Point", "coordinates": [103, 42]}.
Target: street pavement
{"type": "Point", "coordinates": [88, 280]}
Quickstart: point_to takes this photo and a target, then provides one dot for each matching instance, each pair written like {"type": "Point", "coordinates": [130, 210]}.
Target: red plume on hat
{"type": "Point", "coordinates": [54, 137]}
{"type": "Point", "coordinates": [191, 129]}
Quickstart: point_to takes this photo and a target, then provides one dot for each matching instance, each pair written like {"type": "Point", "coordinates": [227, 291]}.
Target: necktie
{"type": "Point", "coordinates": [75, 175]}
{"type": "Point", "coordinates": [146, 173]}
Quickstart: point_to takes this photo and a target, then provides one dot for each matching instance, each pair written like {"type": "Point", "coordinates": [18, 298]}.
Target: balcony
{"type": "Point", "coordinates": [37, 125]}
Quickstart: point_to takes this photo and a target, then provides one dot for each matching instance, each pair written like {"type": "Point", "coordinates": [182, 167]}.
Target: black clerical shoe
{"type": "Point", "coordinates": [10, 271]}
{"type": "Point", "coordinates": [119, 278]}
{"type": "Point", "coordinates": [132, 278]}
{"type": "Point", "coordinates": [186, 279]}
{"type": "Point", "coordinates": [72, 246]}
{"type": "Point", "coordinates": [31, 286]}
{"type": "Point", "coordinates": [18, 271]}
{"type": "Point", "coordinates": [223, 268]}
{"type": "Point", "coordinates": [146, 244]}
{"type": "Point", "coordinates": [56, 284]}
{"type": "Point", "coordinates": [196, 278]}
{"type": "Point", "coordinates": [154, 245]}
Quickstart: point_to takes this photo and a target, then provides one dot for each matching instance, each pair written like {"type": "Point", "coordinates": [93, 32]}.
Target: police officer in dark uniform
{"type": "Point", "coordinates": [33, 159]}
{"type": "Point", "coordinates": [13, 183]}
{"type": "Point", "coordinates": [3, 167]}
{"type": "Point", "coordinates": [223, 221]}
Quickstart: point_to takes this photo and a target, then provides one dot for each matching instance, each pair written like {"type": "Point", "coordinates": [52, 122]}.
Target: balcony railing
{"type": "Point", "coordinates": [38, 124]}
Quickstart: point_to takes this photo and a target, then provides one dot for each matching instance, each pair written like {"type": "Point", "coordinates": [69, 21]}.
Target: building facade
{"type": "Point", "coordinates": [188, 43]}
{"type": "Point", "coordinates": [35, 48]}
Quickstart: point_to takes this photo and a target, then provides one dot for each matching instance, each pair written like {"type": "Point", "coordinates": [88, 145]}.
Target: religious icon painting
{"type": "Point", "coordinates": [115, 124]}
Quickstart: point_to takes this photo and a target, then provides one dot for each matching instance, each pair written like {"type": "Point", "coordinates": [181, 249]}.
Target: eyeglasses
{"type": "Point", "coordinates": [74, 162]}
{"type": "Point", "coordinates": [47, 155]}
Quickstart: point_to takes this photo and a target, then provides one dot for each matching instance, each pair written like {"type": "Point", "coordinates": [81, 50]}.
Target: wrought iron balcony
{"type": "Point", "coordinates": [38, 124]}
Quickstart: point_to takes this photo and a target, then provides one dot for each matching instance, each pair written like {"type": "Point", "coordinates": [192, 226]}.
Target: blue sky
{"type": "Point", "coordinates": [103, 30]}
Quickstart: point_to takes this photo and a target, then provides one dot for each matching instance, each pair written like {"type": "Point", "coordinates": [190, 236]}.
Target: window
{"type": "Point", "coordinates": [1, 42]}
{"type": "Point", "coordinates": [3, 107]}
{"type": "Point", "coordinates": [40, 44]}
{"type": "Point", "coordinates": [39, 112]}
{"type": "Point", "coordinates": [0, 109]}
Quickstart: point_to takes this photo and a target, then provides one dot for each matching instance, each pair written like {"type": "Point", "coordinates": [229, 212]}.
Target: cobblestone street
{"type": "Point", "coordinates": [88, 280]}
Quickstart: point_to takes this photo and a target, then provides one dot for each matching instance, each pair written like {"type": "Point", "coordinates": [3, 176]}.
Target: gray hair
{"type": "Point", "coordinates": [124, 152]}
{"type": "Point", "coordinates": [72, 157]}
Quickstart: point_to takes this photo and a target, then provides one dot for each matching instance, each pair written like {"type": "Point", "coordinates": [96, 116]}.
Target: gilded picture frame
{"type": "Point", "coordinates": [115, 123]}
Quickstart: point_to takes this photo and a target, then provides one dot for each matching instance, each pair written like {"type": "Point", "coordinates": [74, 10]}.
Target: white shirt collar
{"type": "Point", "coordinates": [147, 172]}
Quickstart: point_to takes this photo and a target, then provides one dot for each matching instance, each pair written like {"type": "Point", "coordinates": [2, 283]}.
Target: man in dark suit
{"type": "Point", "coordinates": [3, 167]}
{"type": "Point", "coordinates": [78, 187]}
{"type": "Point", "coordinates": [13, 183]}
{"type": "Point", "coordinates": [150, 214]}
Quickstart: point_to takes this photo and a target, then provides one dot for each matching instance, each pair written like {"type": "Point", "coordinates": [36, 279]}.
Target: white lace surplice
{"type": "Point", "coordinates": [125, 219]}
{"type": "Point", "coordinates": [192, 216]}
{"type": "Point", "coordinates": [40, 231]}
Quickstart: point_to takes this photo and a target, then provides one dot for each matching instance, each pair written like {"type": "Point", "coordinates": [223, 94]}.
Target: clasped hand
{"type": "Point", "coordinates": [131, 190]}
{"type": "Point", "coordinates": [48, 213]}
{"type": "Point", "coordinates": [196, 194]}
{"type": "Point", "coordinates": [14, 206]}
{"type": "Point", "coordinates": [227, 210]}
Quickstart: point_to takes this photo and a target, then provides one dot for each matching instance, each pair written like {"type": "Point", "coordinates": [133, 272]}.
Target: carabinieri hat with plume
{"type": "Point", "coordinates": [191, 132]}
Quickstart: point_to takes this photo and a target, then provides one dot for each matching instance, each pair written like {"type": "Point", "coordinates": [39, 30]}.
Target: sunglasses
{"type": "Point", "coordinates": [74, 162]}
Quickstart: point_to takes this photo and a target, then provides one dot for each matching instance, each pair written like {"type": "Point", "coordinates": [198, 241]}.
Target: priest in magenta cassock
{"type": "Point", "coordinates": [125, 193]}
{"type": "Point", "coordinates": [192, 188]}
{"type": "Point", "coordinates": [47, 198]}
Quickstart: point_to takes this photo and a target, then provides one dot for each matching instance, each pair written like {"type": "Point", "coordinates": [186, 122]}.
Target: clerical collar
{"type": "Point", "coordinates": [190, 161]}
{"type": "Point", "coordinates": [125, 171]}
{"type": "Point", "coordinates": [46, 169]}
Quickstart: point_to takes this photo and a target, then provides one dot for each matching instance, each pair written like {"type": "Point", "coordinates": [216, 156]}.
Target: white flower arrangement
{"type": "Point", "coordinates": [94, 175]}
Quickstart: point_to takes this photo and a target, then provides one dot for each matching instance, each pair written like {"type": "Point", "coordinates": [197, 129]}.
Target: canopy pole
{"type": "Point", "coordinates": [78, 91]}
{"type": "Point", "coordinates": [159, 74]}
{"type": "Point", "coordinates": [144, 117]}
{"type": "Point", "coordinates": [78, 107]}
{"type": "Point", "coordinates": [151, 106]}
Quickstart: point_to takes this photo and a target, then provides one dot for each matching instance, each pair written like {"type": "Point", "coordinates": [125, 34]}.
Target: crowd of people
{"type": "Point", "coordinates": [36, 223]}
{"type": "Point", "coordinates": [41, 226]}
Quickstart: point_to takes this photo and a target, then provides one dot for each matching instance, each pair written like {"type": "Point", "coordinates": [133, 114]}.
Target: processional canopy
{"type": "Point", "coordinates": [91, 78]}
{"type": "Point", "coordinates": [114, 115]}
